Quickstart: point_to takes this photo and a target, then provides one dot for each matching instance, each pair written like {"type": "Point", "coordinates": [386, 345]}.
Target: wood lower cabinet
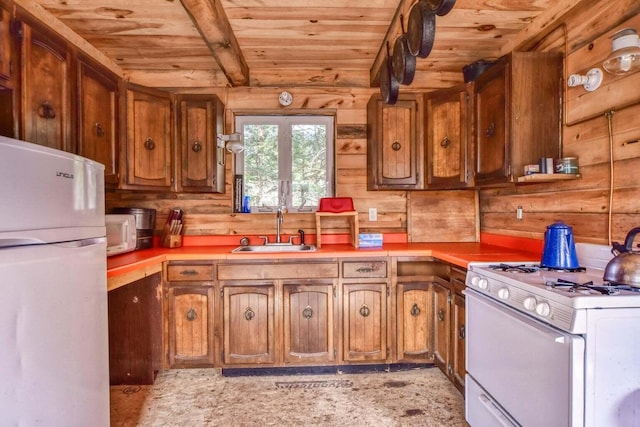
{"type": "Point", "coordinates": [395, 143]}
{"type": "Point", "coordinates": [98, 129]}
{"type": "Point", "coordinates": [135, 331]}
{"type": "Point", "coordinates": [190, 299]}
{"type": "Point", "coordinates": [249, 323]}
{"type": "Point", "coordinates": [414, 318]}
{"type": "Point", "coordinates": [441, 321]}
{"type": "Point", "coordinates": [6, 71]}
{"type": "Point", "coordinates": [148, 153]}
{"type": "Point", "coordinates": [364, 319]}
{"type": "Point", "coordinates": [200, 119]}
{"type": "Point", "coordinates": [46, 90]}
{"type": "Point", "coordinates": [448, 136]}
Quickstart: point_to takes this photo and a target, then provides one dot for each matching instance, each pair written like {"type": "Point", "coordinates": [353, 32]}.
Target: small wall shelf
{"type": "Point", "coordinates": [353, 223]}
{"type": "Point", "coordinates": [548, 177]}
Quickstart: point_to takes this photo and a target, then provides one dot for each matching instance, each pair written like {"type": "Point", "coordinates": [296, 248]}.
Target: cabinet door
{"type": "Point", "coordinates": [98, 120]}
{"type": "Point", "coordinates": [202, 164]}
{"type": "Point", "coordinates": [395, 134]}
{"type": "Point", "coordinates": [135, 332]}
{"type": "Point", "coordinates": [249, 328]}
{"type": "Point", "coordinates": [148, 152]}
{"type": "Point", "coordinates": [458, 334]}
{"type": "Point", "coordinates": [492, 150]}
{"type": "Point", "coordinates": [414, 321]}
{"type": "Point", "coordinates": [447, 121]}
{"type": "Point", "coordinates": [191, 326]}
{"type": "Point", "coordinates": [5, 44]}
{"type": "Point", "coordinates": [365, 322]}
{"type": "Point", "coordinates": [46, 118]}
{"type": "Point", "coordinates": [309, 323]}
{"type": "Point", "coordinates": [441, 329]}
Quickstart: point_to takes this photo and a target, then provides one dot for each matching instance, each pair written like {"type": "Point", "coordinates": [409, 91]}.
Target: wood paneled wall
{"type": "Point", "coordinates": [584, 204]}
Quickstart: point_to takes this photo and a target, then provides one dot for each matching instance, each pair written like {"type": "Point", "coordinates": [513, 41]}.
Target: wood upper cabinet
{"type": "Point", "coordinates": [148, 152]}
{"type": "Point", "coordinates": [249, 323]}
{"type": "Point", "coordinates": [414, 319]}
{"type": "Point", "coordinates": [200, 119]}
{"type": "Point", "coordinates": [190, 291]}
{"type": "Point", "coordinates": [364, 322]}
{"type": "Point", "coordinates": [395, 143]}
{"type": "Point", "coordinates": [448, 133]}
{"type": "Point", "coordinates": [517, 108]}
{"type": "Point", "coordinates": [98, 104]}
{"type": "Point", "coordinates": [309, 334]}
{"type": "Point", "coordinates": [46, 90]}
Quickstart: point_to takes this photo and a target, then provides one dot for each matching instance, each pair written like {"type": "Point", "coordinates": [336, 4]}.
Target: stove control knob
{"type": "Point", "coordinates": [530, 303]}
{"type": "Point", "coordinates": [483, 283]}
{"type": "Point", "coordinates": [503, 293]}
{"type": "Point", "coordinates": [543, 309]}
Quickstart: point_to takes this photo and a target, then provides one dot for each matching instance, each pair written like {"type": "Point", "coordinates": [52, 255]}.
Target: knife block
{"type": "Point", "coordinates": [168, 240]}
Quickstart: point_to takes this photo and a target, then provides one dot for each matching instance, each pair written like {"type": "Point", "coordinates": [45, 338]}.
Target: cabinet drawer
{"type": "Point", "coordinates": [458, 277]}
{"type": "Point", "coordinates": [364, 269]}
{"type": "Point", "coordinates": [190, 272]}
{"type": "Point", "coordinates": [277, 271]}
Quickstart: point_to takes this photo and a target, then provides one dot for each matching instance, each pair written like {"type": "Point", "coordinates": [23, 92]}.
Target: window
{"type": "Point", "coordinates": [287, 161]}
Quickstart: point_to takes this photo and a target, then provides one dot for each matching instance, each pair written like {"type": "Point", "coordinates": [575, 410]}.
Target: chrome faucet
{"type": "Point", "coordinates": [279, 220]}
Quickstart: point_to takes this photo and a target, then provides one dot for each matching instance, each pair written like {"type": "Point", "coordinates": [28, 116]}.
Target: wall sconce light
{"type": "Point", "coordinates": [625, 52]}
{"type": "Point", "coordinates": [232, 142]}
{"type": "Point", "coordinates": [591, 81]}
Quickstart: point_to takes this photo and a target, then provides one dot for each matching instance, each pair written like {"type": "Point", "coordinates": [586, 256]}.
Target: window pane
{"type": "Point", "coordinates": [309, 165]}
{"type": "Point", "coordinates": [261, 164]}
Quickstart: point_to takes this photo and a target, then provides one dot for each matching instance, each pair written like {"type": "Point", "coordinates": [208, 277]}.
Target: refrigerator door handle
{"type": "Point", "coordinates": [82, 243]}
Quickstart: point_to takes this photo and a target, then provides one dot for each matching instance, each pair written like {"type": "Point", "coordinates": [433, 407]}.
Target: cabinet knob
{"type": "Point", "coordinates": [149, 144]}
{"type": "Point", "coordinates": [99, 130]}
{"type": "Point", "coordinates": [396, 146]}
{"type": "Point", "coordinates": [415, 310]}
{"type": "Point", "coordinates": [46, 111]}
{"type": "Point", "coordinates": [307, 312]}
{"type": "Point", "coordinates": [197, 147]}
{"type": "Point", "coordinates": [445, 142]}
{"type": "Point", "coordinates": [192, 315]}
{"type": "Point", "coordinates": [364, 310]}
{"type": "Point", "coordinates": [491, 130]}
{"type": "Point", "coordinates": [249, 314]}
{"type": "Point", "coordinates": [461, 332]}
{"type": "Point", "coordinates": [441, 315]}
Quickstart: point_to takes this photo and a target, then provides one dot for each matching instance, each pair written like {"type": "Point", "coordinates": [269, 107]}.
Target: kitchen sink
{"type": "Point", "coordinates": [274, 247]}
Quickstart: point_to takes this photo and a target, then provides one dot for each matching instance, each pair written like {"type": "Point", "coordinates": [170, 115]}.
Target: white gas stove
{"type": "Point", "coordinates": [552, 348]}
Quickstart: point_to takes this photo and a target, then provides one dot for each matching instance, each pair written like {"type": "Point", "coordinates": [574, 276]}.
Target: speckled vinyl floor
{"type": "Point", "coordinates": [203, 397]}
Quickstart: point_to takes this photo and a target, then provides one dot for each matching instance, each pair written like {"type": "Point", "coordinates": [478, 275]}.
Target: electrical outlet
{"type": "Point", "coordinates": [373, 214]}
{"type": "Point", "coordinates": [519, 213]}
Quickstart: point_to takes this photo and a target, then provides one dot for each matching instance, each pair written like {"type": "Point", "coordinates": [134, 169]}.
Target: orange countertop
{"type": "Point", "coordinates": [459, 254]}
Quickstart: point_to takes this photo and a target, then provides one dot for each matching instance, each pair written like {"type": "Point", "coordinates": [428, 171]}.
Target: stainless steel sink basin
{"type": "Point", "coordinates": [284, 247]}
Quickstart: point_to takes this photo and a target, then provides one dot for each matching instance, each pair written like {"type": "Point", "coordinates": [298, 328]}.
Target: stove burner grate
{"type": "Point", "coordinates": [522, 268]}
{"type": "Point", "coordinates": [564, 270]}
{"type": "Point", "coordinates": [605, 289]}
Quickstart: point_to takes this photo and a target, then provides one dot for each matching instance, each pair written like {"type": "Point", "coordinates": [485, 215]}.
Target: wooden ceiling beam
{"type": "Point", "coordinates": [209, 18]}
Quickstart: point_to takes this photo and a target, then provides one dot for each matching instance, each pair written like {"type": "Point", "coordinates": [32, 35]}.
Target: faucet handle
{"type": "Point", "coordinates": [266, 239]}
{"type": "Point", "coordinates": [301, 234]}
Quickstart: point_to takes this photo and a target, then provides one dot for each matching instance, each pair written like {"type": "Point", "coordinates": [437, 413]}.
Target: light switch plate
{"type": "Point", "coordinates": [373, 214]}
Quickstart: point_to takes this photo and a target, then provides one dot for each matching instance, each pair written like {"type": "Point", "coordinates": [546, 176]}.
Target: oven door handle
{"type": "Point", "coordinates": [495, 411]}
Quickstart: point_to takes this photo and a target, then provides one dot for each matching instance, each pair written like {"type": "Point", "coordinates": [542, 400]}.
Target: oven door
{"type": "Point", "coordinates": [520, 371]}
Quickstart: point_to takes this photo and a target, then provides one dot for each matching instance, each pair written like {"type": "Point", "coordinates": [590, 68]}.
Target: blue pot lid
{"type": "Point", "coordinates": [559, 224]}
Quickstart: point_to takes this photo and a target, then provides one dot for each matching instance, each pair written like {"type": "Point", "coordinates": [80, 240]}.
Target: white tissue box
{"type": "Point", "coordinates": [370, 240]}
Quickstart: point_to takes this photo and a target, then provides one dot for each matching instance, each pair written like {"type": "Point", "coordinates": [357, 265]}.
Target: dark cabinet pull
{"type": "Point", "coordinates": [192, 315]}
{"type": "Point", "coordinates": [491, 130]}
{"type": "Point", "coordinates": [445, 142]}
{"type": "Point", "coordinates": [415, 310]}
{"type": "Point", "coordinates": [99, 130]}
{"type": "Point", "coordinates": [149, 144]}
{"type": "Point", "coordinates": [197, 147]}
{"type": "Point", "coordinates": [396, 146]}
{"type": "Point", "coordinates": [188, 273]}
{"type": "Point", "coordinates": [364, 310]}
{"type": "Point", "coordinates": [46, 111]}
{"type": "Point", "coordinates": [249, 314]}
{"type": "Point", "coordinates": [441, 315]}
{"type": "Point", "coordinates": [307, 312]}
{"type": "Point", "coordinates": [364, 269]}
{"type": "Point", "coordinates": [461, 332]}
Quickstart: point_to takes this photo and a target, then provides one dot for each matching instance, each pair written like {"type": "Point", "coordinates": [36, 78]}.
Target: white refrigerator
{"type": "Point", "coordinates": [54, 357]}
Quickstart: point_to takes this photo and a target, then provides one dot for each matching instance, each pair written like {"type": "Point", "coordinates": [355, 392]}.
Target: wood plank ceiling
{"type": "Point", "coordinates": [292, 43]}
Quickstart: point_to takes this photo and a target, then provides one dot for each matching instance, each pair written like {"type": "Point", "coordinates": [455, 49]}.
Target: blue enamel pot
{"type": "Point", "coordinates": [559, 247]}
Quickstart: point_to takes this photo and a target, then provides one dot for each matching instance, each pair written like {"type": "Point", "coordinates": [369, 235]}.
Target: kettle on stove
{"type": "Point", "coordinates": [559, 248]}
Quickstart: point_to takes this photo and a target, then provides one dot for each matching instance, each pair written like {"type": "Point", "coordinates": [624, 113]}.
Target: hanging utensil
{"type": "Point", "coordinates": [440, 7]}
{"type": "Point", "coordinates": [389, 86]}
{"type": "Point", "coordinates": [403, 62]}
{"type": "Point", "coordinates": [421, 31]}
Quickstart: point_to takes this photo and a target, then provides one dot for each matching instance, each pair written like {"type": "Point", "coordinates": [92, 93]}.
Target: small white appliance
{"type": "Point", "coordinates": [550, 347]}
{"type": "Point", "coordinates": [54, 363]}
{"type": "Point", "coordinates": [121, 233]}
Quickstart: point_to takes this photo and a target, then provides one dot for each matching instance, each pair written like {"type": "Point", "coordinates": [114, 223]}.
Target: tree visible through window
{"type": "Point", "coordinates": [287, 161]}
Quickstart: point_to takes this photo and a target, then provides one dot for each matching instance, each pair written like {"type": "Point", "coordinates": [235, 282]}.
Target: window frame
{"type": "Point", "coordinates": [285, 122]}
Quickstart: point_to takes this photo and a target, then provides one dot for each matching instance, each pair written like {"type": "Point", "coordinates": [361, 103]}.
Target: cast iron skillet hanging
{"type": "Point", "coordinates": [421, 30]}
{"type": "Point", "coordinates": [440, 7]}
{"type": "Point", "coordinates": [403, 62]}
{"type": "Point", "coordinates": [389, 86]}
